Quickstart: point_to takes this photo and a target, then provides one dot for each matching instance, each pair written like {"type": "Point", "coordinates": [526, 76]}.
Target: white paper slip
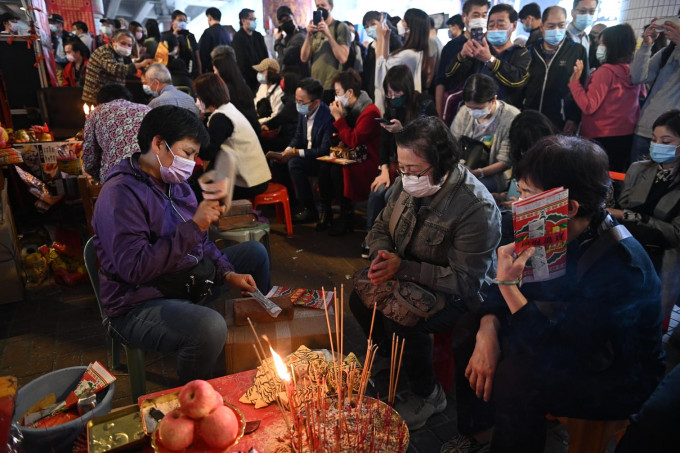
{"type": "Point", "coordinates": [273, 309]}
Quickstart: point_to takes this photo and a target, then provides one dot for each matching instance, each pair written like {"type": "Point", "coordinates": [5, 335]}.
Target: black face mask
{"type": "Point", "coordinates": [324, 13]}
{"type": "Point", "coordinates": [288, 27]}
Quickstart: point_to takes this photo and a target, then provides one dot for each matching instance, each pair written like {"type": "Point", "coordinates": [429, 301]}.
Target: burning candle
{"type": "Point", "coordinates": [86, 109]}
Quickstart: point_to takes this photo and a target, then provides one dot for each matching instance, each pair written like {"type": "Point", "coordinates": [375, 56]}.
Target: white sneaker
{"type": "Point", "coordinates": [416, 410]}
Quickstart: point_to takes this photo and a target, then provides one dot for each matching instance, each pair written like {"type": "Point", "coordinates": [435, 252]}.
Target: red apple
{"type": "Point", "coordinates": [176, 430]}
{"type": "Point", "coordinates": [219, 398]}
{"type": "Point", "coordinates": [219, 428]}
{"type": "Point", "coordinates": [197, 399]}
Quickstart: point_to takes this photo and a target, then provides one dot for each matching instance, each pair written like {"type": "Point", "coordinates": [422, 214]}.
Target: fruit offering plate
{"type": "Point", "coordinates": [154, 409]}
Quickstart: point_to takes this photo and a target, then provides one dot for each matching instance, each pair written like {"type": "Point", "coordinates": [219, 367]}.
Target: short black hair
{"type": "Point", "coordinates": [669, 119]}
{"type": "Point", "coordinates": [431, 23]}
{"type": "Point", "coordinates": [312, 86]}
{"type": "Point", "coordinates": [152, 30]}
{"type": "Point", "coordinates": [173, 124]}
{"type": "Point", "coordinates": [176, 13]}
{"type": "Point", "coordinates": [371, 15]}
{"type": "Point", "coordinates": [244, 13]}
{"type": "Point", "coordinates": [479, 88]}
{"type": "Point", "coordinates": [530, 9]}
{"type": "Point", "coordinates": [467, 6]}
{"type": "Point", "coordinates": [574, 163]}
{"type": "Point", "coordinates": [456, 20]}
{"type": "Point", "coordinates": [504, 8]}
{"type": "Point", "coordinates": [620, 42]}
{"type": "Point", "coordinates": [111, 92]}
{"type": "Point", "coordinates": [116, 24]}
{"type": "Point", "coordinates": [214, 13]}
{"type": "Point", "coordinates": [576, 2]}
{"type": "Point", "coordinates": [78, 46]}
{"type": "Point", "coordinates": [430, 139]}
{"type": "Point", "coordinates": [80, 25]}
{"type": "Point", "coordinates": [526, 129]}
{"type": "Point", "coordinates": [549, 9]}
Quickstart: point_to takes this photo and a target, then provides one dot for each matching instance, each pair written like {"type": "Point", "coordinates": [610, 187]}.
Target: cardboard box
{"type": "Point", "coordinates": [308, 327]}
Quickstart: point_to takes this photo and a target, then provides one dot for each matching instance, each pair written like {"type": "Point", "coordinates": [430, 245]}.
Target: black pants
{"type": "Point", "coordinates": [529, 385]}
{"type": "Point", "coordinates": [655, 428]}
{"type": "Point", "coordinates": [418, 357]}
{"type": "Point", "coordinates": [332, 186]}
{"type": "Point", "coordinates": [618, 149]}
{"type": "Point", "coordinates": [242, 193]}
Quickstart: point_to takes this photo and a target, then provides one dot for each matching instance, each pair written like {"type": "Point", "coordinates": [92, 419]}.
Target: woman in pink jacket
{"type": "Point", "coordinates": [610, 102]}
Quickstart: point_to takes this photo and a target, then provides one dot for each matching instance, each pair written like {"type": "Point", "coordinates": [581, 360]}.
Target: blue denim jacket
{"type": "Point", "coordinates": [447, 241]}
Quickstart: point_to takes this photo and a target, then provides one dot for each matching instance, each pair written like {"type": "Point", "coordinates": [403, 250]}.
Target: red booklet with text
{"type": "Point", "coordinates": [540, 221]}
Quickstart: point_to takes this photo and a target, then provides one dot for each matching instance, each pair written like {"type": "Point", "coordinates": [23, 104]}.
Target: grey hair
{"type": "Point", "coordinates": [158, 71]}
{"type": "Point", "coordinates": [123, 31]}
{"type": "Point", "coordinates": [221, 50]}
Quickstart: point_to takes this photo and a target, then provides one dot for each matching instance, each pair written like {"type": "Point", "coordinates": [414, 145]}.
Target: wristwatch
{"type": "Point", "coordinates": [491, 61]}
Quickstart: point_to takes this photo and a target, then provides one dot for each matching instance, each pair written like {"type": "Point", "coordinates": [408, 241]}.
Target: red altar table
{"type": "Point", "coordinates": [232, 387]}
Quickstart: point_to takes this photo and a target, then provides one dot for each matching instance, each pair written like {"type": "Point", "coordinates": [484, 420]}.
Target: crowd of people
{"type": "Point", "coordinates": [445, 137]}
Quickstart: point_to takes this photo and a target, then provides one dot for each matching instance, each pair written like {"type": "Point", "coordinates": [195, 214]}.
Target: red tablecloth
{"type": "Point", "coordinates": [232, 387]}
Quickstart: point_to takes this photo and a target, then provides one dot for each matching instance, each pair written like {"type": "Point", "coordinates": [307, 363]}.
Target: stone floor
{"type": "Point", "coordinates": [57, 327]}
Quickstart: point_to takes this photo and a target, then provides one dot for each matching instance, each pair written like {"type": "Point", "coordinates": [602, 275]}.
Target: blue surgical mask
{"type": "Point", "coordinates": [663, 154]}
{"type": "Point", "coordinates": [182, 25]}
{"type": "Point", "coordinates": [372, 32]}
{"type": "Point", "coordinates": [303, 109]}
{"type": "Point", "coordinates": [497, 37]}
{"type": "Point", "coordinates": [601, 54]}
{"type": "Point", "coordinates": [584, 21]}
{"type": "Point", "coordinates": [252, 25]}
{"type": "Point", "coordinates": [527, 28]}
{"type": "Point", "coordinates": [554, 37]}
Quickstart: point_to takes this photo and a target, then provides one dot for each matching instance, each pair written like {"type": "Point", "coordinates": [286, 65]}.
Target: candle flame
{"type": "Point", "coordinates": [86, 109]}
{"type": "Point", "coordinates": [281, 368]}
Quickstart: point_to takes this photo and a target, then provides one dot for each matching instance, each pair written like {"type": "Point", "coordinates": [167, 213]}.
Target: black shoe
{"type": "Point", "coordinates": [326, 220]}
{"type": "Point", "coordinates": [342, 225]}
{"type": "Point", "coordinates": [307, 215]}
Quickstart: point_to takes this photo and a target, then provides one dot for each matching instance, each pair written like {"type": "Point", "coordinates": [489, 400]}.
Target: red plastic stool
{"type": "Point", "coordinates": [277, 194]}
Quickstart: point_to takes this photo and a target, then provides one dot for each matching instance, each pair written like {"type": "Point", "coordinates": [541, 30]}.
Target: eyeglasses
{"type": "Point", "coordinates": [401, 172]}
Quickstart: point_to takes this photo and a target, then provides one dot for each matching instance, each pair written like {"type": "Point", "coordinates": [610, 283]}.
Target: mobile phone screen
{"type": "Point", "coordinates": [316, 17]}
{"type": "Point", "coordinates": [383, 121]}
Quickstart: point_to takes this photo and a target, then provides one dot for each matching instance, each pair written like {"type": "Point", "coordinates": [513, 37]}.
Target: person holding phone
{"type": "Point", "coordinates": [495, 55]}
{"type": "Point", "coordinates": [326, 47]}
{"type": "Point", "coordinates": [414, 54]}
{"type": "Point", "coordinates": [662, 71]}
{"type": "Point", "coordinates": [403, 104]}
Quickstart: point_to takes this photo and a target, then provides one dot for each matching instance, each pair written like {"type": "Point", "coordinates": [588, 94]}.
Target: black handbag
{"type": "Point", "coordinates": [475, 154]}
{"type": "Point", "coordinates": [192, 284]}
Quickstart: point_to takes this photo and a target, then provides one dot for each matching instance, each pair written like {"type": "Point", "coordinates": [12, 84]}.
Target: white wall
{"type": "Point", "coordinates": [639, 13]}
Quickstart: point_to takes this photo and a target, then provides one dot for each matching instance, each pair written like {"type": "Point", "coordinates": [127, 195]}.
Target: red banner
{"type": "Point", "coordinates": [72, 11]}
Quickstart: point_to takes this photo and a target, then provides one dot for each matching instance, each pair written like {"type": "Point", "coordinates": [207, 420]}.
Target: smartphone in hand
{"type": "Point", "coordinates": [476, 27]}
{"type": "Point", "coordinates": [316, 17]}
{"type": "Point", "coordinates": [383, 121]}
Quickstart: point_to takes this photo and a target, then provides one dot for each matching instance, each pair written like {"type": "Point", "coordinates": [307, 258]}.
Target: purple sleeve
{"type": "Point", "coordinates": [120, 222]}
{"type": "Point", "coordinates": [221, 262]}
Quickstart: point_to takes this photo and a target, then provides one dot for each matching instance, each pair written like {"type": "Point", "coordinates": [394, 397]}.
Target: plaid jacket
{"type": "Point", "coordinates": [105, 66]}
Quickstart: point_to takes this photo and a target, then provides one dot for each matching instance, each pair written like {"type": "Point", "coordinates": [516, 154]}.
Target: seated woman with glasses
{"type": "Point", "coordinates": [483, 126]}
{"type": "Point", "coordinates": [436, 235]}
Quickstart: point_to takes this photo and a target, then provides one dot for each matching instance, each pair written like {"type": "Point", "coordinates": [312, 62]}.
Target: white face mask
{"type": "Point", "coordinates": [122, 51]}
{"type": "Point", "coordinates": [419, 186]}
{"type": "Point", "coordinates": [352, 36]}
{"type": "Point", "coordinates": [14, 27]}
{"type": "Point", "coordinates": [70, 57]}
{"type": "Point", "coordinates": [343, 100]}
{"type": "Point", "coordinates": [139, 35]}
{"type": "Point", "coordinates": [261, 78]}
{"type": "Point", "coordinates": [148, 91]}
{"type": "Point", "coordinates": [200, 105]}
{"type": "Point", "coordinates": [478, 114]}
{"type": "Point", "coordinates": [401, 29]}
{"type": "Point", "coordinates": [105, 30]}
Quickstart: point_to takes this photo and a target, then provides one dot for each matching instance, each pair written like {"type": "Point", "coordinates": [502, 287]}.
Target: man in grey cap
{"type": "Point", "coordinates": [59, 38]}
{"type": "Point", "coordinates": [289, 40]}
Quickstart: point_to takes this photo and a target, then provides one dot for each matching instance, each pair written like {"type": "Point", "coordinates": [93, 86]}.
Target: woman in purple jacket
{"type": "Point", "coordinates": [149, 230]}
